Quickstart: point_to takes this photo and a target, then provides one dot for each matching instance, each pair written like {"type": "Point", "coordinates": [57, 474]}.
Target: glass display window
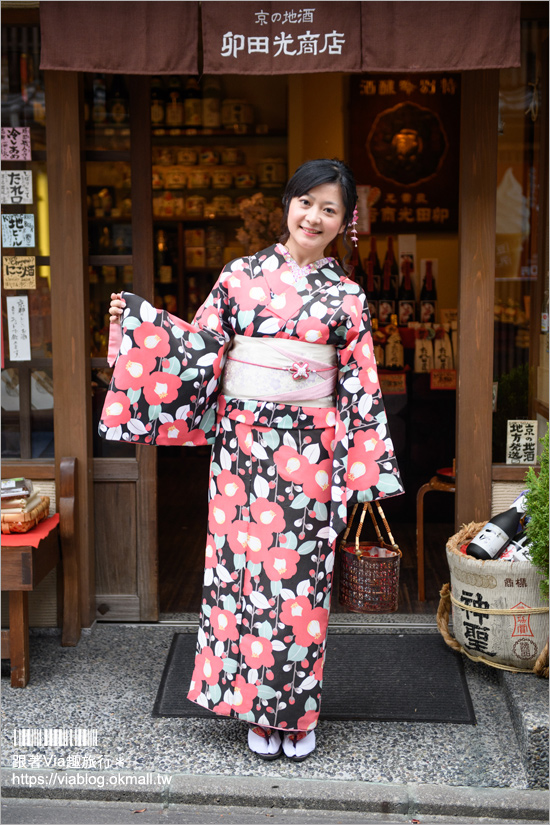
{"type": "Point", "coordinates": [27, 378]}
{"type": "Point", "coordinates": [521, 265]}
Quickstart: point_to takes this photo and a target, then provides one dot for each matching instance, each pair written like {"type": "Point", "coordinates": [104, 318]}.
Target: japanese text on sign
{"type": "Point", "coordinates": [391, 86]}
{"type": "Point", "coordinates": [17, 231]}
{"type": "Point", "coordinates": [301, 16]}
{"type": "Point", "coordinates": [521, 442]}
{"type": "Point", "coordinates": [16, 143]}
{"type": "Point", "coordinates": [19, 272]}
{"type": "Point", "coordinates": [283, 44]}
{"type": "Point", "coordinates": [476, 636]}
{"type": "Point", "coordinates": [17, 187]}
{"type": "Point", "coordinates": [406, 208]}
{"type": "Point", "coordinates": [18, 327]}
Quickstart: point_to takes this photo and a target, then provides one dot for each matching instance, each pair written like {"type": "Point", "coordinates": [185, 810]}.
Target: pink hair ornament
{"type": "Point", "coordinates": [353, 225]}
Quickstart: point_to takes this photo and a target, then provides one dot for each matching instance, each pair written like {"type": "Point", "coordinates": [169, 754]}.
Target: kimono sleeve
{"type": "Point", "coordinates": [166, 375]}
{"type": "Point", "coordinates": [364, 464]}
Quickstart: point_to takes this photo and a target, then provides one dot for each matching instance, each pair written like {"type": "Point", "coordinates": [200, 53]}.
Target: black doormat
{"type": "Point", "coordinates": [375, 677]}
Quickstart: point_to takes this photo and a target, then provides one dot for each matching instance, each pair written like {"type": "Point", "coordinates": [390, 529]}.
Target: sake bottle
{"type": "Point", "coordinates": [370, 288]}
{"type": "Point", "coordinates": [394, 271]}
{"type": "Point", "coordinates": [406, 297]}
{"type": "Point", "coordinates": [386, 303]}
{"type": "Point", "coordinates": [376, 268]}
{"type": "Point", "coordinates": [378, 343]}
{"type": "Point", "coordinates": [490, 542]}
{"type": "Point", "coordinates": [394, 348]}
{"type": "Point", "coordinates": [443, 353]}
{"type": "Point", "coordinates": [428, 297]}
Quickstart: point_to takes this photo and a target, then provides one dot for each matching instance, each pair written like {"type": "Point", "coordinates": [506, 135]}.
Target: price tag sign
{"type": "Point", "coordinates": [521, 442]}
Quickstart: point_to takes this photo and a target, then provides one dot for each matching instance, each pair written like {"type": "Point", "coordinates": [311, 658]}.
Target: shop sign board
{"type": "Point", "coordinates": [16, 187]}
{"type": "Point", "coordinates": [17, 231]}
{"type": "Point", "coordinates": [19, 271]}
{"type": "Point", "coordinates": [404, 143]}
{"type": "Point", "coordinates": [281, 38]}
{"type": "Point", "coordinates": [521, 442]}
{"type": "Point", "coordinates": [15, 142]}
{"type": "Point", "coordinates": [18, 327]}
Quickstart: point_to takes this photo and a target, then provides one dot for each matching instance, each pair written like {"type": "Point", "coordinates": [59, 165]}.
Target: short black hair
{"type": "Point", "coordinates": [314, 173]}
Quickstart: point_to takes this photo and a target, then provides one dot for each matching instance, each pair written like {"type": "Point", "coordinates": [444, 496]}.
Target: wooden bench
{"type": "Point", "coordinates": [25, 566]}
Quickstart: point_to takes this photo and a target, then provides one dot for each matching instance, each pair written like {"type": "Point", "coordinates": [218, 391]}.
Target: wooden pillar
{"type": "Point", "coordinates": [70, 311]}
{"type": "Point", "coordinates": [476, 294]}
{"type": "Point", "coordinates": [143, 284]}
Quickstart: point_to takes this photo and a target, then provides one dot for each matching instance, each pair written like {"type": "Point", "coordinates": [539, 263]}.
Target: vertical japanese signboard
{"type": "Point", "coordinates": [16, 142]}
{"type": "Point", "coordinates": [281, 38]}
{"type": "Point", "coordinates": [521, 442]}
{"type": "Point", "coordinates": [404, 142]}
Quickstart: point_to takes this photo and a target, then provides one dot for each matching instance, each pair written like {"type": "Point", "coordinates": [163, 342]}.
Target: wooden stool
{"type": "Point", "coordinates": [23, 568]}
{"type": "Point", "coordinates": [435, 483]}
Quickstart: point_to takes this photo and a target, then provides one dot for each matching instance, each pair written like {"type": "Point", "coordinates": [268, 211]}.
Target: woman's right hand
{"type": "Point", "coordinates": [116, 307]}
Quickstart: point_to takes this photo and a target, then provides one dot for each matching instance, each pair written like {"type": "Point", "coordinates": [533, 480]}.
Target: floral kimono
{"type": "Point", "coordinates": [282, 475]}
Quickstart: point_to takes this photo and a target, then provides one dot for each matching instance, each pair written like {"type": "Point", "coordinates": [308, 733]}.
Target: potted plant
{"type": "Point", "coordinates": [537, 509]}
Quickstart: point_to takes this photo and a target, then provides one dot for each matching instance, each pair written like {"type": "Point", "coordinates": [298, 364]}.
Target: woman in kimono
{"type": "Point", "coordinates": [277, 372]}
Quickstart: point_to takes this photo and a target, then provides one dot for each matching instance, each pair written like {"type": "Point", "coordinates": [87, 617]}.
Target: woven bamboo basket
{"type": "Point", "coordinates": [369, 571]}
{"type": "Point", "coordinates": [499, 615]}
{"type": "Point", "coordinates": [23, 522]}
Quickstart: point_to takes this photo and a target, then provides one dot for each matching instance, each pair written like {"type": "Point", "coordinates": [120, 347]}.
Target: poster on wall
{"type": "Point", "coordinates": [16, 187]}
{"type": "Point", "coordinates": [19, 271]}
{"type": "Point", "coordinates": [19, 335]}
{"type": "Point", "coordinates": [404, 142]}
{"type": "Point", "coordinates": [16, 142]}
{"type": "Point", "coordinates": [17, 231]}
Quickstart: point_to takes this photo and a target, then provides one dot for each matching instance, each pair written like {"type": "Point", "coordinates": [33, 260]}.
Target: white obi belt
{"type": "Point", "coordinates": [282, 370]}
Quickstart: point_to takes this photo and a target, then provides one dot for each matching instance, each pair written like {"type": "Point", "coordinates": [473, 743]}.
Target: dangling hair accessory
{"type": "Point", "coordinates": [353, 225]}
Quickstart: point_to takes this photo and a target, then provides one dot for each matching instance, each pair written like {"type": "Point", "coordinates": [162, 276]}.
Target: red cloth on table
{"type": "Point", "coordinates": [33, 536]}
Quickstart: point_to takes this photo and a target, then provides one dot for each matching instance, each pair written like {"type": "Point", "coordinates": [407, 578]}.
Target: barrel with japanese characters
{"type": "Point", "coordinates": [499, 614]}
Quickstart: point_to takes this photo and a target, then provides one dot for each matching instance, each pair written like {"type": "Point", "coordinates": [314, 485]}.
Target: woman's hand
{"type": "Point", "coordinates": [116, 308]}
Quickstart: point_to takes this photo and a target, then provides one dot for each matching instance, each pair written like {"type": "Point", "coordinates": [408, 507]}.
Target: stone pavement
{"type": "Point", "coordinates": [496, 769]}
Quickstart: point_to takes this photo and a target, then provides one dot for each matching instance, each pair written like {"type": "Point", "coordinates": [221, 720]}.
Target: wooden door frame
{"type": "Point", "coordinates": [476, 294]}
{"type": "Point", "coordinates": [143, 284]}
{"type": "Point", "coordinates": [70, 310]}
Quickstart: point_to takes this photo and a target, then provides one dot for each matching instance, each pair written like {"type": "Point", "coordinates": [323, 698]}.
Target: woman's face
{"type": "Point", "coordinates": [314, 220]}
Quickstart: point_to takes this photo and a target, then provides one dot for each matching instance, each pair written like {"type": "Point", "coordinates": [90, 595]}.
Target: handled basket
{"type": "Point", "coordinates": [23, 522]}
{"type": "Point", "coordinates": [369, 571]}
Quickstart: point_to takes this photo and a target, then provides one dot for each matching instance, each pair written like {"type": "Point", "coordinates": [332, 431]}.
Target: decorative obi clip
{"type": "Point", "coordinates": [300, 370]}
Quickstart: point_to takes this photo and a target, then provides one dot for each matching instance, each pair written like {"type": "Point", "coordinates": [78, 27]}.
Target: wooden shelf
{"type": "Point", "coordinates": [193, 219]}
{"type": "Point", "coordinates": [215, 137]}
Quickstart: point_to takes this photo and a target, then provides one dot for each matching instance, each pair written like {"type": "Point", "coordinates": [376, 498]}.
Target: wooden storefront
{"type": "Point", "coordinates": [117, 495]}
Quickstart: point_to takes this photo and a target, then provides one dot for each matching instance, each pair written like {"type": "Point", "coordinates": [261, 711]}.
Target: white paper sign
{"type": "Point", "coordinates": [521, 442]}
{"type": "Point", "coordinates": [18, 328]}
{"type": "Point", "coordinates": [16, 186]}
{"type": "Point", "coordinates": [17, 231]}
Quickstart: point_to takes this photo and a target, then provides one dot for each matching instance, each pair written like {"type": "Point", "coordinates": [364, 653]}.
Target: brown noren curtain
{"type": "Point", "coordinates": [120, 37]}
{"type": "Point", "coordinates": [439, 36]}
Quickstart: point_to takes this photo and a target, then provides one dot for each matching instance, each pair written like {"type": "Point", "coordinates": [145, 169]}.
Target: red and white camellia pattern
{"type": "Point", "coordinates": [282, 477]}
